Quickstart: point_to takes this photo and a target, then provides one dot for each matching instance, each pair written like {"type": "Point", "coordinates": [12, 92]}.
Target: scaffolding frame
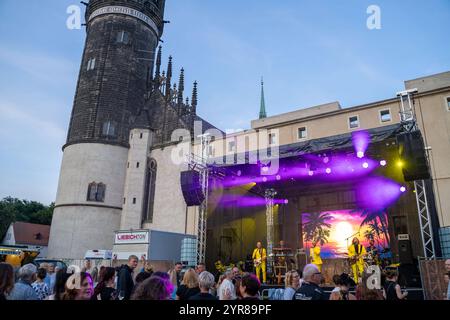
{"type": "Point", "coordinates": [409, 123]}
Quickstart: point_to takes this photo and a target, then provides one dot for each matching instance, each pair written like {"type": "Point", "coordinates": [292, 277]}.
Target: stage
{"type": "Point", "coordinates": [352, 185]}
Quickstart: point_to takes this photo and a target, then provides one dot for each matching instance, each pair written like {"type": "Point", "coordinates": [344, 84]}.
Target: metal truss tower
{"type": "Point", "coordinates": [409, 123]}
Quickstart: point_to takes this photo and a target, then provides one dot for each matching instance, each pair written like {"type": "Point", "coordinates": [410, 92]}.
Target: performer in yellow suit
{"type": "Point", "coordinates": [259, 257]}
{"type": "Point", "coordinates": [356, 252]}
{"type": "Point", "coordinates": [314, 254]}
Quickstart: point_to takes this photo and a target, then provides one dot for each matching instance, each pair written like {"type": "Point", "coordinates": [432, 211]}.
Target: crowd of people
{"type": "Point", "coordinates": [126, 283]}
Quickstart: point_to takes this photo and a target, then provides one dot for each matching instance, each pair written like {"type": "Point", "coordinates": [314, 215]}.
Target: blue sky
{"type": "Point", "coordinates": [309, 52]}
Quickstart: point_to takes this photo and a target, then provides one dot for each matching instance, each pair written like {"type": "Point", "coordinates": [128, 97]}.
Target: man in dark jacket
{"type": "Point", "coordinates": [125, 281]}
{"type": "Point", "coordinates": [310, 289]}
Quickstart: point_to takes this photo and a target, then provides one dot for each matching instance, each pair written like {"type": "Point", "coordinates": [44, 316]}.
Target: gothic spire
{"type": "Point", "coordinates": [169, 77]}
{"type": "Point", "coordinates": [181, 87]}
{"type": "Point", "coordinates": [262, 109]}
{"type": "Point", "coordinates": [194, 100]}
{"type": "Point", "coordinates": [158, 64]}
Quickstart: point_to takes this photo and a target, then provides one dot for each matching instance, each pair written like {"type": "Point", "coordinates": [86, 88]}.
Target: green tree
{"type": "Point", "coordinates": [13, 209]}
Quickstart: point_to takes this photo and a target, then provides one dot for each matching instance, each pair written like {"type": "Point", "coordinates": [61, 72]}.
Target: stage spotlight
{"type": "Point", "coordinates": [360, 154]}
{"type": "Point", "coordinates": [239, 173]}
{"type": "Point", "coordinates": [326, 160]}
{"type": "Point", "coordinates": [400, 163]}
{"type": "Point", "coordinates": [403, 189]}
{"type": "Point", "coordinates": [278, 177]}
{"type": "Point", "coordinates": [365, 165]}
{"type": "Point", "coordinates": [383, 163]}
{"type": "Point", "coordinates": [311, 173]}
{"type": "Point", "coordinates": [328, 170]}
{"type": "Point", "coordinates": [286, 201]}
{"type": "Point", "coordinates": [265, 179]}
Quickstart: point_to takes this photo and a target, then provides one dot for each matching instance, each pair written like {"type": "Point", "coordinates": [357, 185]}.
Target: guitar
{"type": "Point", "coordinates": [353, 260]}
{"type": "Point", "coordinates": [257, 262]}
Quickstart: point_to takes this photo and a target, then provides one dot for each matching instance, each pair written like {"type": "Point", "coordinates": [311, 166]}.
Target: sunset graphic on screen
{"type": "Point", "coordinates": [334, 230]}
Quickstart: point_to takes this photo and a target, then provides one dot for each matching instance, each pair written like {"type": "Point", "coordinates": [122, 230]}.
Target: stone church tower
{"type": "Point", "coordinates": [115, 78]}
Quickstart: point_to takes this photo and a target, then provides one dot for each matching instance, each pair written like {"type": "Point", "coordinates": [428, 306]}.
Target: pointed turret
{"type": "Point", "coordinates": [194, 100]}
{"type": "Point", "coordinates": [262, 109]}
{"type": "Point", "coordinates": [169, 78]}
{"type": "Point", "coordinates": [158, 66]}
{"type": "Point", "coordinates": [181, 87]}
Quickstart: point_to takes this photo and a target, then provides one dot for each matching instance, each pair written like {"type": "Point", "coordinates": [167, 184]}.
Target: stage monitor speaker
{"type": "Point", "coordinates": [405, 254]}
{"type": "Point", "coordinates": [192, 188]}
{"type": "Point", "coordinates": [411, 150]}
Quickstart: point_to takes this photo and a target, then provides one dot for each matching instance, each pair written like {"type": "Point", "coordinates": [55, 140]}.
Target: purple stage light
{"type": "Point", "coordinates": [377, 193]}
{"type": "Point", "coordinates": [402, 189]}
{"type": "Point", "coordinates": [328, 170]}
{"type": "Point", "coordinates": [383, 163]}
{"type": "Point", "coordinates": [361, 141]}
{"type": "Point", "coordinates": [310, 173]}
{"type": "Point", "coordinates": [264, 179]}
{"type": "Point", "coordinates": [278, 177]}
{"type": "Point", "coordinates": [286, 201]}
{"type": "Point", "coordinates": [326, 160]}
{"type": "Point", "coordinates": [365, 165]}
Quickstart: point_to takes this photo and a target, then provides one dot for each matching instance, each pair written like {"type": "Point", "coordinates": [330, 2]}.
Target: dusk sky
{"type": "Point", "coordinates": [309, 52]}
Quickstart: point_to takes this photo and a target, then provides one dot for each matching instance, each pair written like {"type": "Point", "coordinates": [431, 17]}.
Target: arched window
{"type": "Point", "coordinates": [96, 192]}
{"type": "Point", "coordinates": [149, 194]}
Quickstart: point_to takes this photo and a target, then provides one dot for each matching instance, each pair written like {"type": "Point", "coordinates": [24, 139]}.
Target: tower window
{"type": "Point", "coordinates": [123, 37]}
{"type": "Point", "coordinates": [141, 135]}
{"type": "Point", "coordinates": [302, 134]}
{"type": "Point", "coordinates": [149, 194]}
{"type": "Point", "coordinates": [109, 129]}
{"type": "Point", "coordinates": [137, 165]}
{"type": "Point", "coordinates": [353, 122]}
{"type": "Point", "coordinates": [448, 103]}
{"type": "Point", "coordinates": [134, 200]}
{"type": "Point", "coordinates": [210, 151]}
{"type": "Point", "coordinates": [96, 192]}
{"type": "Point", "coordinates": [91, 64]}
{"type": "Point", "coordinates": [385, 115]}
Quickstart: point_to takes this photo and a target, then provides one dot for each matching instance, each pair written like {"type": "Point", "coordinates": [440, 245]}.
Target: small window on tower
{"type": "Point", "coordinates": [448, 103]}
{"type": "Point", "coordinates": [96, 192]}
{"type": "Point", "coordinates": [91, 64]}
{"type": "Point", "coordinates": [123, 37]}
{"type": "Point", "coordinates": [272, 138]}
{"type": "Point", "coordinates": [109, 129]}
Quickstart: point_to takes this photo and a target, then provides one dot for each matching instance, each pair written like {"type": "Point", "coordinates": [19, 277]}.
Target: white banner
{"type": "Point", "coordinates": [132, 237]}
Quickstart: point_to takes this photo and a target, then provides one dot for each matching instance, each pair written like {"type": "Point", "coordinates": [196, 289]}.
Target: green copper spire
{"type": "Point", "coordinates": [262, 110]}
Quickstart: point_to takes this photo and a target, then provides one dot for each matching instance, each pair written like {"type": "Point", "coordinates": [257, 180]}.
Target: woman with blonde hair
{"type": "Point", "coordinates": [189, 286]}
{"type": "Point", "coordinates": [292, 283]}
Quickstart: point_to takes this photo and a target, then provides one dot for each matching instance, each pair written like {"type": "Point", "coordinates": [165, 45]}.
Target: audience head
{"type": "Point", "coordinates": [6, 278]}
{"type": "Point", "coordinates": [79, 286]}
{"type": "Point", "coordinates": [201, 267]}
{"type": "Point", "coordinates": [27, 273]}
{"type": "Point", "coordinates": [153, 288]}
{"type": "Point", "coordinates": [60, 283]}
{"type": "Point", "coordinates": [142, 276]}
{"type": "Point", "coordinates": [133, 262]}
{"type": "Point", "coordinates": [206, 280]}
{"type": "Point", "coordinates": [41, 274]}
{"type": "Point", "coordinates": [249, 286]}
{"type": "Point", "coordinates": [178, 267]}
{"type": "Point", "coordinates": [312, 274]}
{"type": "Point", "coordinates": [447, 264]}
{"type": "Point", "coordinates": [190, 278]}
{"type": "Point", "coordinates": [391, 274]}
{"type": "Point", "coordinates": [292, 279]}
